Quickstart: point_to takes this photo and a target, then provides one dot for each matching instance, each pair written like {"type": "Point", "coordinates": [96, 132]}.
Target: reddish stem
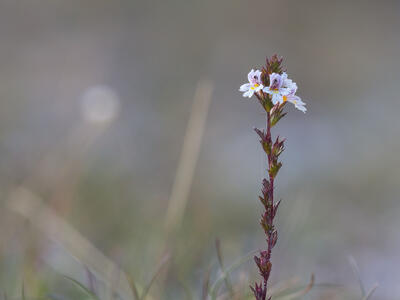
{"type": "Point", "coordinates": [264, 260]}
{"type": "Point", "coordinates": [271, 190]}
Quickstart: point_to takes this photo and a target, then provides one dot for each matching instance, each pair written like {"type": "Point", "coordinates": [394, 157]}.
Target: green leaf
{"type": "Point", "coordinates": [275, 118]}
{"type": "Point", "coordinates": [275, 169]}
{"type": "Point", "coordinates": [81, 287]}
{"type": "Point", "coordinates": [267, 147]}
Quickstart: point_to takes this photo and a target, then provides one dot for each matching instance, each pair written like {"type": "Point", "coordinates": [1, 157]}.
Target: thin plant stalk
{"type": "Point", "coordinates": [274, 90]}
{"type": "Point", "coordinates": [189, 156]}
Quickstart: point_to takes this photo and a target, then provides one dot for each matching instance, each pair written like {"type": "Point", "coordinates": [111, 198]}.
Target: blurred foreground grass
{"type": "Point", "coordinates": [68, 266]}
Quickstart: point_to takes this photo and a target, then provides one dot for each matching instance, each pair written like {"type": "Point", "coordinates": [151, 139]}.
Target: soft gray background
{"type": "Point", "coordinates": [340, 182]}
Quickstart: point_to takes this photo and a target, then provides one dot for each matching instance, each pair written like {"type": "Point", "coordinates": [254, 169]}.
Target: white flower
{"type": "Point", "coordinates": [279, 86]}
{"type": "Point", "coordinates": [254, 84]}
{"type": "Point", "coordinates": [283, 89]}
{"type": "Point", "coordinates": [292, 98]}
{"type": "Point", "coordinates": [286, 82]}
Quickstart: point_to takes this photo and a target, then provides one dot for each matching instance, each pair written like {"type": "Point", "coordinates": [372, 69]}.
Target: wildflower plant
{"type": "Point", "coordinates": [274, 90]}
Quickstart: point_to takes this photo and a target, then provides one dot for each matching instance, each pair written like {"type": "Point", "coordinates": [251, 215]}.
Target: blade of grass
{"type": "Point", "coordinates": [221, 265]}
{"type": "Point", "coordinates": [27, 204]}
{"type": "Point", "coordinates": [189, 155]}
{"type": "Point", "coordinates": [357, 274]}
{"type": "Point", "coordinates": [302, 292]}
{"type": "Point", "coordinates": [23, 291]}
{"type": "Point", "coordinates": [214, 290]}
{"type": "Point", "coordinates": [239, 289]}
{"type": "Point", "coordinates": [82, 287]}
{"type": "Point", "coordinates": [289, 291]}
{"type": "Point", "coordinates": [281, 287]}
{"type": "Point", "coordinates": [369, 294]}
{"type": "Point", "coordinates": [163, 262]}
{"type": "Point", "coordinates": [186, 289]}
{"type": "Point", "coordinates": [206, 284]}
{"type": "Point", "coordinates": [91, 280]}
{"type": "Point", "coordinates": [132, 284]}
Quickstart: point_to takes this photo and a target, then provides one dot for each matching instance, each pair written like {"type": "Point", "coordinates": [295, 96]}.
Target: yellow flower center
{"type": "Point", "coordinates": [284, 98]}
{"type": "Point", "coordinates": [256, 85]}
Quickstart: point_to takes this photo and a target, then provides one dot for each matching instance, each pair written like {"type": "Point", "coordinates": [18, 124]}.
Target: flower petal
{"type": "Point", "coordinates": [249, 93]}
{"type": "Point", "coordinates": [275, 81]}
{"type": "Point", "coordinates": [244, 87]}
{"type": "Point", "coordinates": [267, 90]}
{"type": "Point", "coordinates": [301, 108]}
{"type": "Point", "coordinates": [276, 98]}
{"type": "Point", "coordinates": [300, 105]}
{"type": "Point", "coordinates": [250, 75]}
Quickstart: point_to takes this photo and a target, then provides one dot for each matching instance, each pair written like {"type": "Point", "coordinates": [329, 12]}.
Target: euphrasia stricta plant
{"type": "Point", "coordinates": [273, 89]}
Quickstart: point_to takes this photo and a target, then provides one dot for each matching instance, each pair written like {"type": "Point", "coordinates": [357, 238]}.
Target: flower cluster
{"type": "Point", "coordinates": [280, 88]}
{"type": "Point", "coordinates": [273, 89]}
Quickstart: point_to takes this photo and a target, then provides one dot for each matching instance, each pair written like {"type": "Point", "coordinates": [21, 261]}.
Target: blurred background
{"type": "Point", "coordinates": [124, 142]}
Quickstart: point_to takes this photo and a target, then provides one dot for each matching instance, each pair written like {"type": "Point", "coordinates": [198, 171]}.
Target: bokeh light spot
{"type": "Point", "coordinates": [100, 104]}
